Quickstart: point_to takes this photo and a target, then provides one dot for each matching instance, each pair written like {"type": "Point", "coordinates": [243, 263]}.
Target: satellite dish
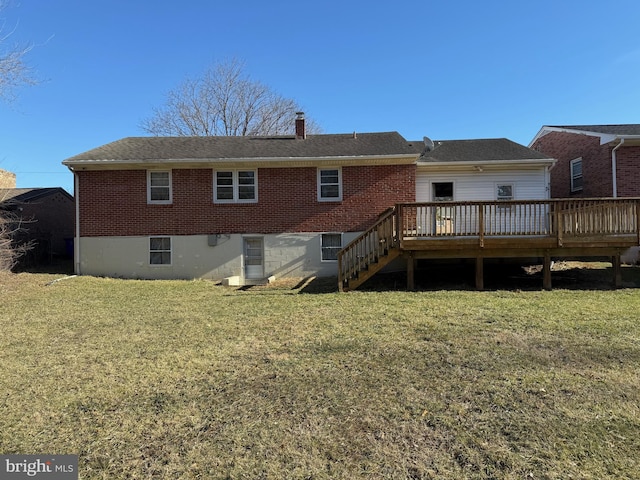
{"type": "Point", "coordinates": [428, 143]}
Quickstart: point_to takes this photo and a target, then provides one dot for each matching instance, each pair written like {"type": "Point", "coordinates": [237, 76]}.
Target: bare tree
{"type": "Point", "coordinates": [14, 72]}
{"type": "Point", "coordinates": [224, 101]}
{"type": "Point", "coordinates": [13, 245]}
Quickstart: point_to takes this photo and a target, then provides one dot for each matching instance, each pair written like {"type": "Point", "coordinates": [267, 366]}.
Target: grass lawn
{"type": "Point", "coordinates": [186, 379]}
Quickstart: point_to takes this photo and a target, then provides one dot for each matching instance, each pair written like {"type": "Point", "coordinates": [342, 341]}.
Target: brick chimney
{"type": "Point", "coordinates": [301, 133]}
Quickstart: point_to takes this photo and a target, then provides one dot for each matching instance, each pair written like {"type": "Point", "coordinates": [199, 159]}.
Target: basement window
{"type": "Point", "coordinates": [331, 244]}
{"type": "Point", "coordinates": [576, 174]}
{"type": "Point", "coordinates": [160, 251]}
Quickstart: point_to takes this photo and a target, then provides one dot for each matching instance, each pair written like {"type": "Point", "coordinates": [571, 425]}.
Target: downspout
{"type": "Point", "coordinates": [614, 166]}
{"type": "Point", "coordinates": [76, 242]}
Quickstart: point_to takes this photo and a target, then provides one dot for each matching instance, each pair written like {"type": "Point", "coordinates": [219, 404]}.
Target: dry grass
{"type": "Point", "coordinates": [192, 380]}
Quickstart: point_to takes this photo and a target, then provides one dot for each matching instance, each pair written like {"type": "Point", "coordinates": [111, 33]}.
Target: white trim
{"type": "Point", "coordinates": [322, 260]}
{"type": "Point", "coordinates": [170, 186]}
{"type": "Point", "coordinates": [484, 164]}
{"type": "Point", "coordinates": [604, 137]}
{"type": "Point", "coordinates": [319, 185]}
{"type": "Point", "coordinates": [235, 185]}
{"type": "Point", "coordinates": [506, 184]}
{"type": "Point", "coordinates": [248, 163]}
{"type": "Point", "coordinates": [572, 176]}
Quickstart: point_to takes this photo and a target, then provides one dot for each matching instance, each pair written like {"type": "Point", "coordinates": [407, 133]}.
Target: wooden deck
{"type": "Point", "coordinates": [545, 229]}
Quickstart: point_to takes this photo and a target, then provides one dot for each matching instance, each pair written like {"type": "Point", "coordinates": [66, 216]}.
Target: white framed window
{"type": "Point", "coordinates": [160, 251]}
{"type": "Point", "coordinates": [330, 245]}
{"type": "Point", "coordinates": [575, 167]}
{"type": "Point", "coordinates": [504, 191]}
{"type": "Point", "coordinates": [159, 186]}
{"type": "Point", "coordinates": [329, 184]}
{"type": "Point", "coordinates": [235, 186]}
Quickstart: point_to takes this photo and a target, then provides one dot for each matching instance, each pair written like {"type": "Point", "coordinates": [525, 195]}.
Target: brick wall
{"type": "Point", "coordinates": [115, 202]}
{"type": "Point", "coordinates": [7, 179]}
{"type": "Point", "coordinates": [628, 167]}
{"type": "Point", "coordinates": [596, 163]}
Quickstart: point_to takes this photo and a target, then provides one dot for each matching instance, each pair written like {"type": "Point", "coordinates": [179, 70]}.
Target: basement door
{"type": "Point", "coordinates": [253, 258]}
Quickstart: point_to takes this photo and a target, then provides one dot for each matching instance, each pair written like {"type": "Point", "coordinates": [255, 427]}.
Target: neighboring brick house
{"type": "Point", "coordinates": [46, 217]}
{"type": "Point", "coordinates": [592, 160]}
{"type": "Point", "coordinates": [244, 209]}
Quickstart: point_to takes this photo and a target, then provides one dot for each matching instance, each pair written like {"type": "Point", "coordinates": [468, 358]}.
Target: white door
{"type": "Point", "coordinates": [442, 217]}
{"type": "Point", "coordinates": [253, 258]}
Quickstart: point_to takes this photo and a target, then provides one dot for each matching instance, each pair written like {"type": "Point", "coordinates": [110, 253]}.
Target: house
{"type": "Point", "coordinates": [246, 209]}
{"type": "Point", "coordinates": [593, 160]}
{"type": "Point", "coordinates": [46, 217]}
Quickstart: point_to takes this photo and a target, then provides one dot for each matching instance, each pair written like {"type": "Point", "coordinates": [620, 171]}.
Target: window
{"type": "Point", "coordinates": [576, 175]}
{"type": "Point", "coordinates": [160, 251]}
{"type": "Point", "coordinates": [504, 192]}
{"type": "Point", "coordinates": [159, 186]}
{"type": "Point", "coordinates": [331, 244]}
{"type": "Point", "coordinates": [329, 185]}
{"type": "Point", "coordinates": [235, 186]}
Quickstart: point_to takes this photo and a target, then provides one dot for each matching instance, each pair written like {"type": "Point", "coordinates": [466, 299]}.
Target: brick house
{"type": "Point", "coordinates": [592, 160]}
{"type": "Point", "coordinates": [245, 209]}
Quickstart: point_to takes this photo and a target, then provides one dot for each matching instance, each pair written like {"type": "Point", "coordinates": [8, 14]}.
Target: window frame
{"type": "Point", "coordinates": [504, 198]}
{"type": "Point", "coordinates": [235, 185]}
{"type": "Point", "coordinates": [161, 251]}
{"type": "Point", "coordinates": [321, 198]}
{"type": "Point", "coordinates": [323, 248]}
{"type": "Point", "coordinates": [150, 187]}
{"type": "Point", "coordinates": [573, 177]}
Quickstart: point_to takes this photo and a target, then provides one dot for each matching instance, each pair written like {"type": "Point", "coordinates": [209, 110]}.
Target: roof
{"type": "Point", "coordinates": [606, 133]}
{"type": "Point", "coordinates": [25, 195]}
{"type": "Point", "coordinates": [623, 129]}
{"type": "Point", "coordinates": [141, 149]}
{"type": "Point", "coordinates": [480, 150]}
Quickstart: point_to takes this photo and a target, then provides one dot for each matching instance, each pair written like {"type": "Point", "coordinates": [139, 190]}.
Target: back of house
{"type": "Point", "coordinates": [236, 209]}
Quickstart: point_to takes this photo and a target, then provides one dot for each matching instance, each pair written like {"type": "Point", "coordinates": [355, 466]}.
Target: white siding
{"type": "Point", "coordinates": [527, 184]}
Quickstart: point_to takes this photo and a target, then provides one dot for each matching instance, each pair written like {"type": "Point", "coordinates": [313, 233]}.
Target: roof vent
{"type": "Point", "coordinates": [428, 144]}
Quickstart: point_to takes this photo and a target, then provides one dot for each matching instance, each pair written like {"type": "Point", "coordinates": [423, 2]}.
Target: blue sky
{"type": "Point", "coordinates": [446, 69]}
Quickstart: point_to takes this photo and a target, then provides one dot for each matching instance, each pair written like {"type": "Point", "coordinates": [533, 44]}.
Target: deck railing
{"type": "Point", "coordinates": [576, 220]}
{"type": "Point", "coordinates": [369, 247]}
{"type": "Point", "coordinates": [559, 217]}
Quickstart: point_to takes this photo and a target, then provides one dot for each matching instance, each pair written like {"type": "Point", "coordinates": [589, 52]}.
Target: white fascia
{"type": "Point", "coordinates": [115, 164]}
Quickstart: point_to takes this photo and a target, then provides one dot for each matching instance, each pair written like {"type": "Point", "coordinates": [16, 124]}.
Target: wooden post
{"type": "Point", "coordinates": [546, 272]}
{"type": "Point", "coordinates": [479, 273]}
{"type": "Point", "coordinates": [411, 266]}
{"type": "Point", "coordinates": [617, 271]}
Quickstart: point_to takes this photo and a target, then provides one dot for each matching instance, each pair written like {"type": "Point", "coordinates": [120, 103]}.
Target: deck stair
{"type": "Point", "coordinates": [368, 253]}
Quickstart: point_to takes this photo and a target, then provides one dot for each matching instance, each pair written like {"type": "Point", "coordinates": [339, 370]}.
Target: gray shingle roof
{"type": "Point", "coordinates": [623, 129]}
{"type": "Point", "coordinates": [24, 195]}
{"type": "Point", "coordinates": [492, 149]}
{"type": "Point", "coordinates": [314, 146]}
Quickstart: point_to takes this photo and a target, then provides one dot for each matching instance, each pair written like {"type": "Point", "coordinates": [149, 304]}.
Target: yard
{"type": "Point", "coordinates": [186, 379]}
